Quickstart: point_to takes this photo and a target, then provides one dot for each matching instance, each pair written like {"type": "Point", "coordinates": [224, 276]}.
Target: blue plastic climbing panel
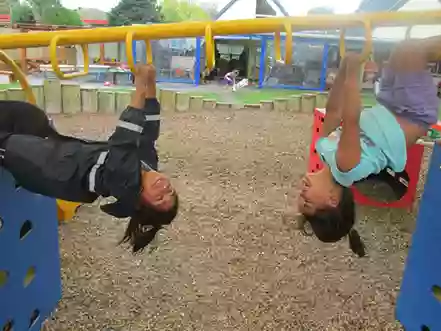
{"type": "Point", "coordinates": [30, 283]}
{"type": "Point", "coordinates": [418, 307]}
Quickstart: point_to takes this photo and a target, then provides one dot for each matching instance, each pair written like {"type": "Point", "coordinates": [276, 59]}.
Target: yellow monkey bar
{"type": "Point", "coordinates": [198, 29]}
{"type": "Point", "coordinates": [210, 29]}
{"type": "Point", "coordinates": [83, 37]}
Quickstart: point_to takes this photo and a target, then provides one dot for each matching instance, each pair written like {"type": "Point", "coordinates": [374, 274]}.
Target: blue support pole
{"type": "Point", "coordinates": [324, 67]}
{"type": "Point", "coordinates": [30, 276]}
{"type": "Point", "coordinates": [419, 306]}
{"type": "Point", "coordinates": [262, 60]}
{"type": "Point", "coordinates": [197, 69]}
{"type": "Point", "coordinates": [134, 50]}
{"type": "Point", "coordinates": [130, 75]}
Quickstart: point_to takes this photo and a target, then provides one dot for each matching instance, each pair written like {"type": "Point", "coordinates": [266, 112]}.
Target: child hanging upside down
{"type": "Point", "coordinates": [368, 141]}
{"type": "Point", "coordinates": [125, 167]}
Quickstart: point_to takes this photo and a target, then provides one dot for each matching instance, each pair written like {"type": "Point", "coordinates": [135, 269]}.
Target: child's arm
{"type": "Point", "coordinates": [130, 124]}
{"type": "Point", "coordinates": [136, 121]}
{"type": "Point", "coordinates": [126, 148]}
{"type": "Point", "coordinates": [349, 150]}
{"type": "Point", "coordinates": [147, 150]}
{"type": "Point", "coordinates": [335, 102]}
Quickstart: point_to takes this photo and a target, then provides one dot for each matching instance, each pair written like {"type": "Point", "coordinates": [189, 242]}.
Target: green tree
{"type": "Point", "coordinates": [61, 16]}
{"type": "Point", "coordinates": [183, 10]}
{"type": "Point", "coordinates": [128, 12]}
{"type": "Point", "coordinates": [22, 13]}
{"type": "Point", "coordinates": [54, 15]}
{"type": "Point", "coordinates": [44, 11]}
{"type": "Point", "coordinates": [39, 7]}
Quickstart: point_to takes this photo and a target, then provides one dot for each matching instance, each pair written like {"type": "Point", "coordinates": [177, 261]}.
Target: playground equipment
{"type": "Point", "coordinates": [210, 29]}
{"type": "Point", "coordinates": [27, 297]}
{"type": "Point", "coordinates": [66, 209]}
{"type": "Point", "coordinates": [419, 307]}
{"type": "Point", "coordinates": [413, 168]}
{"type": "Point", "coordinates": [30, 284]}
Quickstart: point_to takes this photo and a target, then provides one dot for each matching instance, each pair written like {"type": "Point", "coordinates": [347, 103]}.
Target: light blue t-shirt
{"type": "Point", "coordinates": [383, 144]}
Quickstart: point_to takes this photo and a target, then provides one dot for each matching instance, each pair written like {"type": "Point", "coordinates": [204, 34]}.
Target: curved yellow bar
{"type": "Point", "coordinates": [30, 97]}
{"type": "Point", "coordinates": [219, 28]}
{"type": "Point", "coordinates": [54, 59]}
{"type": "Point", "coordinates": [277, 46]}
{"type": "Point", "coordinates": [367, 49]}
{"type": "Point", "coordinates": [288, 43]}
{"type": "Point", "coordinates": [148, 51]}
{"type": "Point", "coordinates": [209, 47]}
{"type": "Point", "coordinates": [129, 51]}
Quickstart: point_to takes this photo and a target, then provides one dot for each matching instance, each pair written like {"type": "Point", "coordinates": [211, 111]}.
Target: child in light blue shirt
{"type": "Point", "coordinates": [368, 141]}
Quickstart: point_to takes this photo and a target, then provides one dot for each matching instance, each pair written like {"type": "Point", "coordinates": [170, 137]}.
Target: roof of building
{"type": "Point", "coordinates": [380, 5]}
{"type": "Point", "coordinates": [92, 16]}
{"type": "Point", "coordinates": [417, 31]}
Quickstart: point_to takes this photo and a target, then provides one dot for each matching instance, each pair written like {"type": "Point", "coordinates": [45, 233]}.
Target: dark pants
{"type": "Point", "coordinates": [20, 117]}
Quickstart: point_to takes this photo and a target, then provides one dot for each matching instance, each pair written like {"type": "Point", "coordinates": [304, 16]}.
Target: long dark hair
{"type": "Point", "coordinates": [145, 224]}
{"type": "Point", "coordinates": [332, 224]}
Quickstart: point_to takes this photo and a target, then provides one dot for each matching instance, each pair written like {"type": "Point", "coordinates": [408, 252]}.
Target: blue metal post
{"type": "Point", "coordinates": [134, 50]}
{"type": "Point", "coordinates": [197, 69]}
{"type": "Point", "coordinates": [30, 276]}
{"type": "Point", "coordinates": [134, 59]}
{"type": "Point", "coordinates": [262, 60]}
{"type": "Point", "coordinates": [418, 304]}
{"type": "Point", "coordinates": [324, 67]}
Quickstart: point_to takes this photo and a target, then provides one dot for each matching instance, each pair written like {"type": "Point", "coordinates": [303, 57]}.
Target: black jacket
{"type": "Point", "coordinates": [78, 170]}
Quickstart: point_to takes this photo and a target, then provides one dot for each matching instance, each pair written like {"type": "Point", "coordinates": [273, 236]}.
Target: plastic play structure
{"type": "Point", "coordinates": [30, 285]}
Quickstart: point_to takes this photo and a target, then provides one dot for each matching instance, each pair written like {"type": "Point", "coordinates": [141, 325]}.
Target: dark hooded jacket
{"type": "Point", "coordinates": [78, 170]}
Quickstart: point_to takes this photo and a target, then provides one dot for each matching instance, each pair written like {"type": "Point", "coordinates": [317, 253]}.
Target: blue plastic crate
{"type": "Point", "coordinates": [30, 280]}
{"type": "Point", "coordinates": [418, 308]}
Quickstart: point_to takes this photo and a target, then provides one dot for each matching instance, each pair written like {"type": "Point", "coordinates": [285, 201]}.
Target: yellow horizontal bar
{"type": "Point", "coordinates": [197, 29]}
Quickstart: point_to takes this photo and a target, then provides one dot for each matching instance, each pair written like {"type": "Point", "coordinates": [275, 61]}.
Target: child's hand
{"type": "Point", "coordinates": [353, 66]}
{"type": "Point", "coordinates": [145, 74]}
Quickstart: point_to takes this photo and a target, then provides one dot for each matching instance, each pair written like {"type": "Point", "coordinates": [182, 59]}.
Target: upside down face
{"type": "Point", "coordinates": [157, 191]}
{"type": "Point", "coordinates": [317, 191]}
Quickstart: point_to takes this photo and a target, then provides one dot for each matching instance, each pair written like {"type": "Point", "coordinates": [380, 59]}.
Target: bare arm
{"type": "Point", "coordinates": [349, 150]}
{"type": "Point", "coordinates": [335, 101]}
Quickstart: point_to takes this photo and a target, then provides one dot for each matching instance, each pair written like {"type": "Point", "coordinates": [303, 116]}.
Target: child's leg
{"type": "Point", "coordinates": [407, 88]}
{"type": "Point", "coordinates": [20, 117]}
{"type": "Point", "coordinates": [409, 56]}
{"type": "Point", "coordinates": [333, 105]}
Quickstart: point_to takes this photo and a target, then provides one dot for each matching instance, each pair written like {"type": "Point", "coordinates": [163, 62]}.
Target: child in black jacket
{"type": "Point", "coordinates": [125, 167]}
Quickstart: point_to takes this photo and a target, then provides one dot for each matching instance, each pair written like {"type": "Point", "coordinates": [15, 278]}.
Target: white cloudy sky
{"type": "Point", "coordinates": [294, 7]}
